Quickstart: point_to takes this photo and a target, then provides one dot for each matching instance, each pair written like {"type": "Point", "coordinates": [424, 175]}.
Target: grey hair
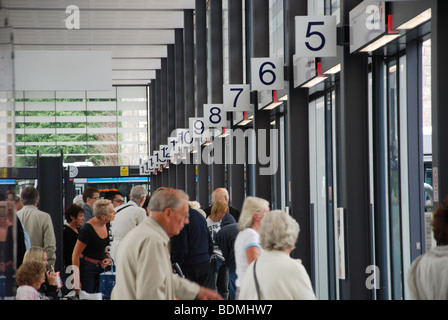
{"type": "Point", "coordinates": [138, 192]}
{"type": "Point", "coordinates": [251, 206]}
{"type": "Point", "coordinates": [167, 198]}
{"type": "Point", "coordinates": [101, 207]}
{"type": "Point", "coordinates": [220, 194]}
{"type": "Point", "coordinates": [29, 196]}
{"type": "Point", "coordinates": [278, 231]}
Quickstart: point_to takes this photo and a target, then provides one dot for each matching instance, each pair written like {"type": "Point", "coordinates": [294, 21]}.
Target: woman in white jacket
{"type": "Point", "coordinates": [279, 276]}
{"type": "Point", "coordinates": [428, 275]}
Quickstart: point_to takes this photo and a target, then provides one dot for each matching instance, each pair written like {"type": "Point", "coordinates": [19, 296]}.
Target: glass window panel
{"type": "Point", "coordinates": [85, 126]}
{"type": "Point", "coordinates": [394, 180]}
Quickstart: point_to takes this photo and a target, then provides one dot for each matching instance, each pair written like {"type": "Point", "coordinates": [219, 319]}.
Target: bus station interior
{"type": "Point", "coordinates": [349, 143]}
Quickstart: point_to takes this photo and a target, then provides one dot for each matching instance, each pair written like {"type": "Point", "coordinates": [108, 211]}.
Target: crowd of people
{"type": "Point", "coordinates": [164, 246]}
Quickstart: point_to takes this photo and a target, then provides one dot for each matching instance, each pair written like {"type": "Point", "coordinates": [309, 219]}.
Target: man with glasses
{"type": "Point", "coordinates": [115, 196]}
{"type": "Point", "coordinates": [89, 196]}
{"type": "Point", "coordinates": [128, 216]}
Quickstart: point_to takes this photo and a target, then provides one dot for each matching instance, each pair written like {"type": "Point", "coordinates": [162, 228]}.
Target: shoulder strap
{"type": "Point", "coordinates": [123, 208]}
{"type": "Point", "coordinates": [257, 286]}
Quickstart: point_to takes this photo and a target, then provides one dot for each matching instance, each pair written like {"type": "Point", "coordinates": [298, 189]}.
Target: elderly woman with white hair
{"type": "Point", "coordinates": [275, 275]}
{"type": "Point", "coordinates": [247, 242]}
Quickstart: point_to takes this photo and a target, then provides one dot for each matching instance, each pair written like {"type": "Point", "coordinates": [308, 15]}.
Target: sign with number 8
{"type": "Point", "coordinates": [214, 115]}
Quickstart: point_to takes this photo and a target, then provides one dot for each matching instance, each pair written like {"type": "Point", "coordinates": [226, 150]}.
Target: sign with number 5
{"type": "Point", "coordinates": [267, 74]}
{"type": "Point", "coordinates": [316, 36]}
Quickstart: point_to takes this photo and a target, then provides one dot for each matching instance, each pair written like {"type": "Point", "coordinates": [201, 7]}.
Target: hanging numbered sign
{"type": "Point", "coordinates": [215, 115]}
{"type": "Point", "coordinates": [236, 97]}
{"type": "Point", "coordinates": [316, 36]}
{"type": "Point", "coordinates": [197, 127]}
{"type": "Point", "coordinates": [173, 147]}
{"type": "Point", "coordinates": [184, 137]}
{"type": "Point", "coordinates": [158, 161]}
{"type": "Point", "coordinates": [164, 153]}
{"type": "Point", "coordinates": [267, 74]}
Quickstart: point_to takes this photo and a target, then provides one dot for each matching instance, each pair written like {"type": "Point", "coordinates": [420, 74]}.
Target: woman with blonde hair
{"type": "Point", "coordinates": [279, 276]}
{"type": "Point", "coordinates": [49, 288]}
{"type": "Point", "coordinates": [90, 255]}
{"type": "Point", "coordinates": [247, 243]}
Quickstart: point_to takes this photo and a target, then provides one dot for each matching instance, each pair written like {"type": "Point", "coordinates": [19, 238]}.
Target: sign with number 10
{"type": "Point", "coordinates": [316, 36]}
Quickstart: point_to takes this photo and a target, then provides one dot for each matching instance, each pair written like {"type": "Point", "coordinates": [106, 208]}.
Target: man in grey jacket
{"type": "Point", "coordinates": [37, 224]}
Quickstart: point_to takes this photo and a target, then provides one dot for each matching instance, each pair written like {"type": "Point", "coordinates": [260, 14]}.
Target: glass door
{"type": "Point", "coordinates": [318, 196]}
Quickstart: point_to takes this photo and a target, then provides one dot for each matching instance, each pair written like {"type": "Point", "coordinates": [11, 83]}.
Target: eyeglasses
{"type": "Point", "coordinates": [118, 200]}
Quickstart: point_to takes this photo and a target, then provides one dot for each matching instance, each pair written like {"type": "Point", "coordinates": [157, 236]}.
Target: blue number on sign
{"type": "Point", "coordinates": [188, 141]}
{"type": "Point", "coordinates": [262, 73]}
{"type": "Point", "coordinates": [198, 129]}
{"type": "Point", "coordinates": [240, 90]}
{"type": "Point", "coordinates": [310, 33]}
{"type": "Point", "coordinates": [215, 114]}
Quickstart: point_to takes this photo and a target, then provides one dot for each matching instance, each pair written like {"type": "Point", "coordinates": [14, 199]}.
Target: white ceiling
{"type": "Point", "coordinates": [136, 32]}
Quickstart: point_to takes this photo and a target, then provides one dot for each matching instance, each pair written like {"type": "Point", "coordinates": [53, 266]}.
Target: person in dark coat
{"type": "Point", "coordinates": [192, 248]}
{"type": "Point", "coordinates": [225, 238]}
{"type": "Point", "coordinates": [221, 194]}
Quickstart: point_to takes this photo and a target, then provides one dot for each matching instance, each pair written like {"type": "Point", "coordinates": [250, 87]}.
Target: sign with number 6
{"type": "Point", "coordinates": [267, 74]}
{"type": "Point", "coordinates": [316, 36]}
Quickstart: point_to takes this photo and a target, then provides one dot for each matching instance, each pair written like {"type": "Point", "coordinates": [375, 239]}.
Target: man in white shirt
{"type": "Point", "coordinates": [128, 216]}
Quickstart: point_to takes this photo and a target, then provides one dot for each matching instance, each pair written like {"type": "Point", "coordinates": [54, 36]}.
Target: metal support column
{"type": "Point", "coordinates": [236, 65]}
{"type": "Point", "coordinates": [216, 52]}
{"type": "Point", "coordinates": [439, 63]}
{"type": "Point", "coordinates": [49, 177]}
{"type": "Point", "coordinates": [172, 172]}
{"type": "Point", "coordinates": [190, 167]}
{"type": "Point", "coordinates": [355, 168]}
{"type": "Point", "coordinates": [259, 29]}
{"type": "Point", "coordinates": [164, 116]}
{"type": "Point", "coordinates": [298, 148]}
{"type": "Point", "coordinates": [180, 96]}
{"type": "Point", "coordinates": [201, 92]}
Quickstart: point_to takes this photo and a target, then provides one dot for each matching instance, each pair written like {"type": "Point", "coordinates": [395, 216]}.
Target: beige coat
{"type": "Point", "coordinates": [280, 278]}
{"type": "Point", "coordinates": [144, 269]}
{"type": "Point", "coordinates": [39, 227]}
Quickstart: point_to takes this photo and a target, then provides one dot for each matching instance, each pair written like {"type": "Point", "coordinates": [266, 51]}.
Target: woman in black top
{"type": "Point", "coordinates": [74, 215]}
{"type": "Point", "coordinates": [89, 254]}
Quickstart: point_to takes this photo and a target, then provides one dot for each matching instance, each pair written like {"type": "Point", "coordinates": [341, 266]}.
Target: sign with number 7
{"type": "Point", "coordinates": [236, 97]}
{"type": "Point", "coordinates": [316, 36]}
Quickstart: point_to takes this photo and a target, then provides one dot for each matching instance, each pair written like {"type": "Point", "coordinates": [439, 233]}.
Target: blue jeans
{"type": "Point", "coordinates": [219, 277]}
{"type": "Point", "coordinates": [232, 285]}
{"type": "Point", "coordinates": [89, 276]}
